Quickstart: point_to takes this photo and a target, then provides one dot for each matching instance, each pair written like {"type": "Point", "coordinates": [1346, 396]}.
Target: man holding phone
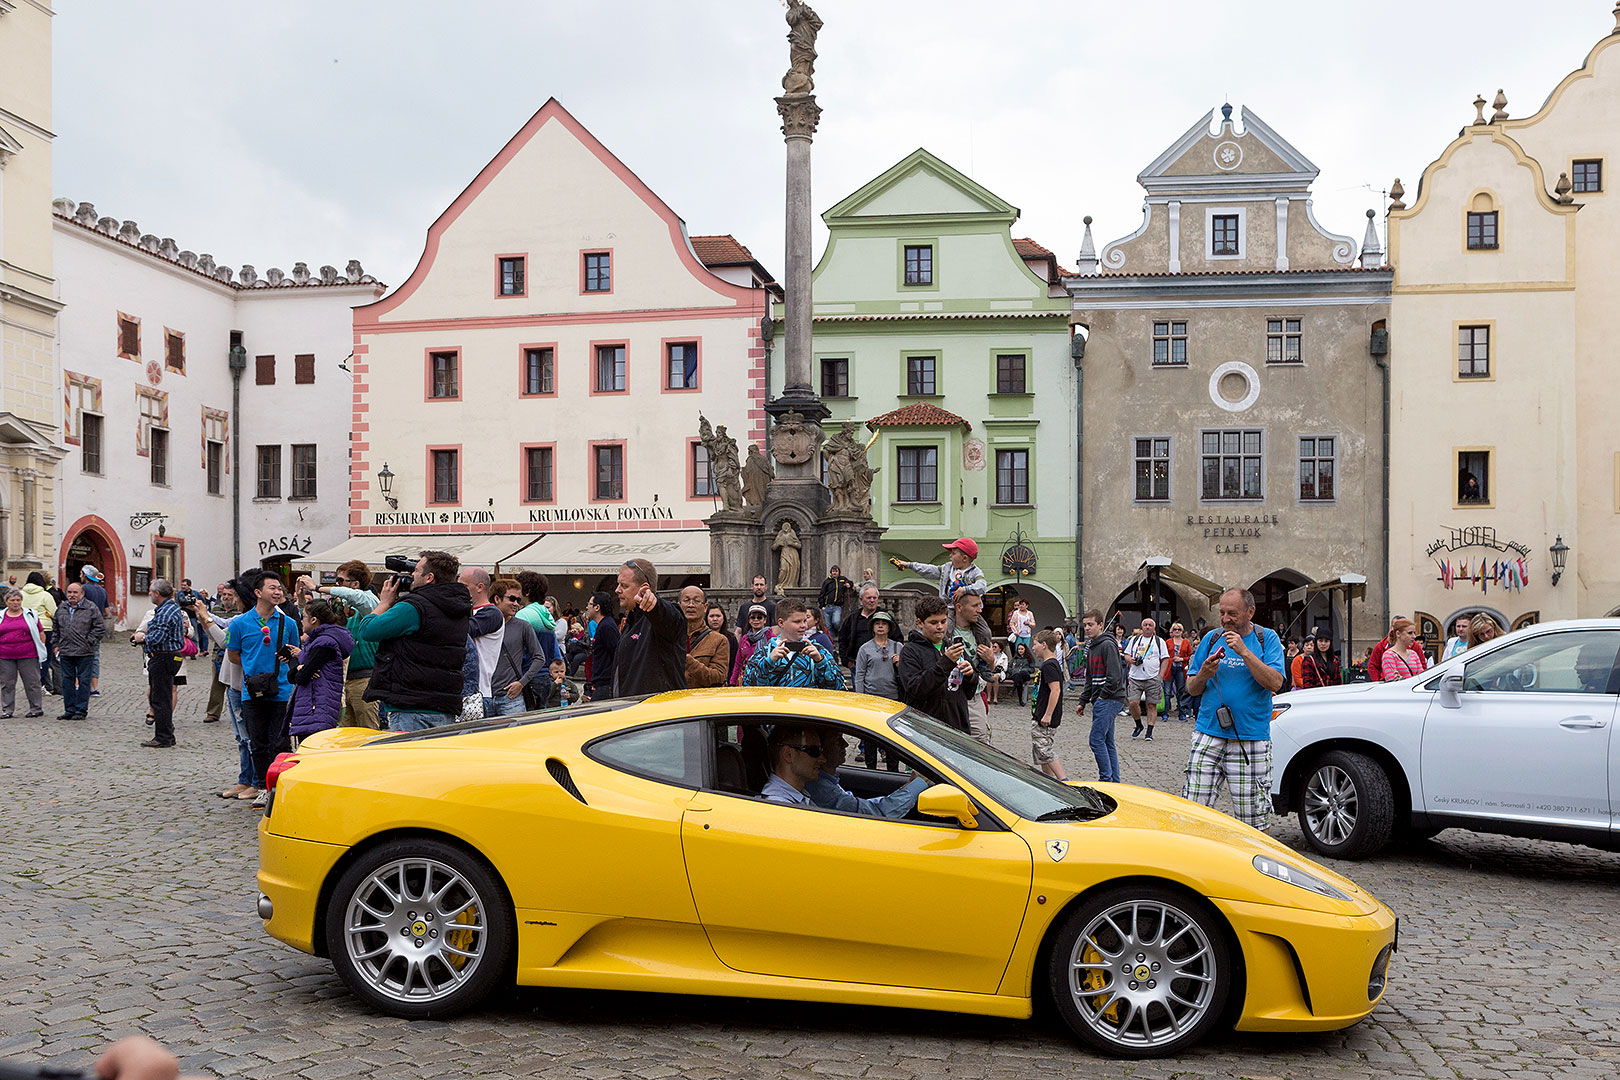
{"type": "Point", "coordinates": [1236, 668]}
{"type": "Point", "coordinates": [789, 659]}
{"type": "Point", "coordinates": [937, 677]}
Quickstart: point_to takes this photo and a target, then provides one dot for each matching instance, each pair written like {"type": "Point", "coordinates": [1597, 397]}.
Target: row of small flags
{"type": "Point", "coordinates": [1510, 574]}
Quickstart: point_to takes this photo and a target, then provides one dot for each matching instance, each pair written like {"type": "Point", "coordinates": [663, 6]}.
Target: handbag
{"type": "Point", "coordinates": [188, 648]}
{"type": "Point", "coordinates": [266, 684]}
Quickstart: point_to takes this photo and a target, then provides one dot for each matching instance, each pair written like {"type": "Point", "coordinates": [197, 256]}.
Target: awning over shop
{"type": "Point", "coordinates": [1176, 574]}
{"type": "Point", "coordinates": [1354, 586]}
{"type": "Point", "coordinates": [673, 553]}
{"type": "Point", "coordinates": [479, 549]}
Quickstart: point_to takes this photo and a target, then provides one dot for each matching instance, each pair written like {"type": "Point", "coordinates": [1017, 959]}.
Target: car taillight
{"type": "Point", "coordinates": [281, 764]}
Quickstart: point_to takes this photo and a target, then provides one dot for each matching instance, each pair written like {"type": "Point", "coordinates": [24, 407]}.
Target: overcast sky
{"type": "Point", "coordinates": [321, 131]}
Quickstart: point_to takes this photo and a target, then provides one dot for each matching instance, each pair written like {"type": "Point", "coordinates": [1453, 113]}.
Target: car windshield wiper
{"type": "Point", "coordinates": [1074, 813]}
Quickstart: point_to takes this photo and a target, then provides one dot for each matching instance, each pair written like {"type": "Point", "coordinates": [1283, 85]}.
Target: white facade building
{"type": "Point", "coordinates": [152, 477]}
{"type": "Point", "coordinates": [529, 396]}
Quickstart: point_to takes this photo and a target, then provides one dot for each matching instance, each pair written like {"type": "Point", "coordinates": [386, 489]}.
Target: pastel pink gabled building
{"type": "Point", "coordinates": [530, 394]}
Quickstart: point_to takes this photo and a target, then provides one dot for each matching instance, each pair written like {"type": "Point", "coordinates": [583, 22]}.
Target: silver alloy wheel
{"type": "Point", "coordinates": [415, 930]}
{"type": "Point", "coordinates": [1331, 805]}
{"type": "Point", "coordinates": [1142, 973]}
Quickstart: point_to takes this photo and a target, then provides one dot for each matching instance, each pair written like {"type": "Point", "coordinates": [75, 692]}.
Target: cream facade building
{"type": "Point", "coordinates": [28, 303]}
{"type": "Point", "coordinates": [1231, 395]}
{"type": "Point", "coordinates": [1505, 406]}
{"type": "Point", "coordinates": [530, 396]}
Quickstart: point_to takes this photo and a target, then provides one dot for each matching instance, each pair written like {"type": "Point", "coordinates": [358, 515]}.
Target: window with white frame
{"type": "Point", "coordinates": [918, 474]}
{"type": "Point", "coordinates": [1283, 341]}
{"type": "Point", "coordinates": [1012, 477]}
{"type": "Point", "coordinates": [1152, 460]}
{"type": "Point", "coordinates": [1318, 468]}
{"type": "Point", "coordinates": [1169, 344]}
{"type": "Point", "coordinates": [1231, 464]}
{"type": "Point", "coordinates": [1224, 229]}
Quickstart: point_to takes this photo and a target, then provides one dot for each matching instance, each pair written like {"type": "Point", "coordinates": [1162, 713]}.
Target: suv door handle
{"type": "Point", "coordinates": [1576, 722]}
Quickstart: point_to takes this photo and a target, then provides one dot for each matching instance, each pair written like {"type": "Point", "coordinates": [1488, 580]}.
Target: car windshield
{"type": "Point", "coordinates": [1025, 792]}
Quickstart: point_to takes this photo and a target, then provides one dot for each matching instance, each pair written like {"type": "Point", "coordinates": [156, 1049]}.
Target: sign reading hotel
{"type": "Point", "coordinates": [537, 515]}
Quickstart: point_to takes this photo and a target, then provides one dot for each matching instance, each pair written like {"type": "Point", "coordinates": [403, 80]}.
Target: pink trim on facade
{"type": "Point", "coordinates": [118, 337]}
{"type": "Point", "coordinates": [524, 255]}
{"type": "Point", "coordinates": [691, 469]}
{"type": "Point", "coordinates": [427, 373]}
{"type": "Point", "coordinates": [552, 110]}
{"type": "Point", "coordinates": [623, 343]}
{"type": "Point", "coordinates": [523, 473]}
{"type": "Point", "coordinates": [114, 578]}
{"type": "Point", "coordinates": [663, 359]}
{"type": "Point", "coordinates": [677, 525]}
{"type": "Point", "coordinates": [523, 369]}
{"type": "Point", "coordinates": [613, 271]}
{"type": "Point", "coordinates": [568, 318]}
{"type": "Point", "coordinates": [427, 475]}
{"type": "Point", "coordinates": [359, 462]}
{"type": "Point", "coordinates": [590, 470]}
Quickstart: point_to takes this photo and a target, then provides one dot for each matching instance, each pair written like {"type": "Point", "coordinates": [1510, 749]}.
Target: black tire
{"type": "Point", "coordinates": [1346, 805]}
{"type": "Point", "coordinates": [1107, 964]}
{"type": "Point", "coordinates": [393, 955]}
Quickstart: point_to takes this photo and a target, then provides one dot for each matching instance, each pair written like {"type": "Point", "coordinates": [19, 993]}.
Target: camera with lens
{"type": "Point", "coordinates": [403, 567]}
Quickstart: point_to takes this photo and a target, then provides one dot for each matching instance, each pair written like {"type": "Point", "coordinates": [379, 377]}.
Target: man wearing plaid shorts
{"type": "Point", "coordinates": [1236, 668]}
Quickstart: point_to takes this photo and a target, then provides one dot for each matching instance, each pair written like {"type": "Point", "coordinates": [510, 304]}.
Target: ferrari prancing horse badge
{"type": "Point", "coordinates": [1057, 849]}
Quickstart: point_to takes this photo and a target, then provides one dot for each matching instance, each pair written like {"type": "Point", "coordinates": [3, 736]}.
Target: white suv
{"type": "Point", "coordinates": [1515, 736]}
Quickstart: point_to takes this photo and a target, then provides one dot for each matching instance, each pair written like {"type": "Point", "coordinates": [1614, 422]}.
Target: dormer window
{"type": "Point", "coordinates": [1483, 226]}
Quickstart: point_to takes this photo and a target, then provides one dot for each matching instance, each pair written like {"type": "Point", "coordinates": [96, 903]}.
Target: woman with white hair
{"type": "Point", "coordinates": [22, 650]}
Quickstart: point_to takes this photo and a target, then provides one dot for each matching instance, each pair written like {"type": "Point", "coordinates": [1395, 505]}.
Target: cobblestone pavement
{"type": "Point", "coordinates": [128, 892]}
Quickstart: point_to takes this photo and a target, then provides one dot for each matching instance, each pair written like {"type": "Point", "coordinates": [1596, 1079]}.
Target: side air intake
{"type": "Point", "coordinates": [559, 772]}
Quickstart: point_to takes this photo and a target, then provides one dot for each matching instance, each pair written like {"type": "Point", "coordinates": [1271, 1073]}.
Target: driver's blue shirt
{"type": "Point", "coordinates": [826, 792]}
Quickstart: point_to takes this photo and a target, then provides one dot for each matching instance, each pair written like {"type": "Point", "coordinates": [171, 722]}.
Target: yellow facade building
{"type": "Point", "coordinates": [1505, 409]}
{"type": "Point", "coordinates": [28, 306]}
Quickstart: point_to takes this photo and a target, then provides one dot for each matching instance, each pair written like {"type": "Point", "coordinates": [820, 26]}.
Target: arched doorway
{"type": "Point", "coordinates": [1273, 609]}
{"type": "Point", "coordinates": [1044, 605]}
{"type": "Point", "coordinates": [90, 541]}
{"type": "Point", "coordinates": [1135, 604]}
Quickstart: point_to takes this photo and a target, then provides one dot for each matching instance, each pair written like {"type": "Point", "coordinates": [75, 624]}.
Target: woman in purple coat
{"type": "Point", "coordinates": [317, 671]}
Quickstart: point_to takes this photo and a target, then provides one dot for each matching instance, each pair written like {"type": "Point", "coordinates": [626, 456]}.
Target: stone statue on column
{"type": "Point", "coordinates": [722, 451]}
{"type": "Point", "coordinates": [787, 543]}
{"type": "Point", "coordinates": [756, 477]}
{"type": "Point", "coordinates": [803, 25]}
{"type": "Point", "coordinates": [849, 474]}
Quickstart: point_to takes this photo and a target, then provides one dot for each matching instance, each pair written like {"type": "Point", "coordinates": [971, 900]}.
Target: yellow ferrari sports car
{"type": "Point", "coordinates": [710, 842]}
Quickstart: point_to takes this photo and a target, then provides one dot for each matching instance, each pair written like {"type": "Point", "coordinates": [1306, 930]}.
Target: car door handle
{"type": "Point", "coordinates": [1577, 722]}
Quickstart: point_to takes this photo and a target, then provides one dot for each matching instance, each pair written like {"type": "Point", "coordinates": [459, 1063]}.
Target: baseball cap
{"type": "Point", "coordinates": [885, 616]}
{"type": "Point", "coordinates": [758, 609]}
{"type": "Point", "coordinates": [90, 572]}
{"type": "Point", "coordinates": [965, 545]}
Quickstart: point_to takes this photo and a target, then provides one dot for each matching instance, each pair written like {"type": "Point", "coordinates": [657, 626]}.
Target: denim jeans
{"type": "Point", "coordinates": [1175, 693]}
{"type": "Point", "coordinates": [244, 749]}
{"type": "Point", "coordinates": [504, 706]}
{"type": "Point", "coordinates": [832, 619]}
{"type": "Point", "coordinates": [75, 684]}
{"type": "Point", "coordinates": [418, 719]}
{"type": "Point", "coordinates": [1103, 714]}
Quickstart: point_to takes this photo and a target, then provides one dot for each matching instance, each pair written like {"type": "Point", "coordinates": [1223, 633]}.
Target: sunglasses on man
{"type": "Point", "coordinates": [813, 751]}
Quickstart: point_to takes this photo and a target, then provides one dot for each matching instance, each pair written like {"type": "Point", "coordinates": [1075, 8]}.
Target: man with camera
{"type": "Point", "coordinates": [788, 659]}
{"type": "Point", "coordinates": [1236, 668]}
{"type": "Point", "coordinates": [420, 626]}
{"type": "Point", "coordinates": [258, 641]}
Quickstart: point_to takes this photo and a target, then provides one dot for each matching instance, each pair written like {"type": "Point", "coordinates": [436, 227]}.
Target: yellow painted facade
{"type": "Point", "coordinates": [1537, 426]}
{"type": "Point", "coordinates": [28, 306]}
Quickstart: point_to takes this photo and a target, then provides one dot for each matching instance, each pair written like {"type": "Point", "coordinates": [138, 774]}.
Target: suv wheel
{"type": "Point", "coordinates": [1347, 809]}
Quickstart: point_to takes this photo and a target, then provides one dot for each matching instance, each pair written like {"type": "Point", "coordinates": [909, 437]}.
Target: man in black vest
{"type": "Point", "coordinates": [422, 642]}
{"type": "Point", "coordinates": [652, 646]}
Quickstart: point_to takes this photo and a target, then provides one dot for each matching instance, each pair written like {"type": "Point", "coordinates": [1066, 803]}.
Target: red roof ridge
{"type": "Point", "coordinates": [918, 414]}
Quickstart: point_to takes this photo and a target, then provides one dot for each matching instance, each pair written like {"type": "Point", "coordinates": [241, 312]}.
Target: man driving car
{"type": "Point", "coordinates": [826, 792]}
{"type": "Point", "coordinates": [795, 757]}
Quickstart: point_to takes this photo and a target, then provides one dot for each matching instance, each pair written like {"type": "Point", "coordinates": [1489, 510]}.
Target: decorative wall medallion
{"type": "Point", "coordinates": [1234, 386]}
{"type": "Point", "coordinates": [154, 372]}
{"type": "Point", "coordinates": [1228, 156]}
{"type": "Point", "coordinates": [973, 455]}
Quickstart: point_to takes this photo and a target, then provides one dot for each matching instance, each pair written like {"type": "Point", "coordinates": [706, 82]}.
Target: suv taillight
{"type": "Point", "coordinates": [281, 764]}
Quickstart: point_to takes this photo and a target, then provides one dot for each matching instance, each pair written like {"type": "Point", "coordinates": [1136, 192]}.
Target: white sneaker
{"type": "Point", "coordinates": [260, 801]}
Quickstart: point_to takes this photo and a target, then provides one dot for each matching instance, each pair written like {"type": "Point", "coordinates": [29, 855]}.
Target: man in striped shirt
{"type": "Point", "coordinates": [165, 636]}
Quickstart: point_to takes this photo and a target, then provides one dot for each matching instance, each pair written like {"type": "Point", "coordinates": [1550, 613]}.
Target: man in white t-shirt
{"type": "Point", "coordinates": [1458, 642]}
{"type": "Point", "coordinates": [1144, 656]}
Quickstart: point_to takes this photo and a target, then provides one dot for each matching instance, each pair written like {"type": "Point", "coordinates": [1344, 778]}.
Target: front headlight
{"type": "Point", "coordinates": [1277, 709]}
{"type": "Point", "coordinates": [1295, 876]}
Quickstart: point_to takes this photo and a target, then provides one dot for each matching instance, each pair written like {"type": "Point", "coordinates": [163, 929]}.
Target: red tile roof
{"type": "Point", "coordinates": [1029, 249]}
{"type": "Point", "coordinates": [918, 414]}
{"type": "Point", "coordinates": [724, 250]}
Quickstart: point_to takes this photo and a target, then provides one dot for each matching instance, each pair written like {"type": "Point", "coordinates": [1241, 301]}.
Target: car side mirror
{"type": "Point", "coordinates": [1451, 684]}
{"type": "Point", "coordinates": [948, 801]}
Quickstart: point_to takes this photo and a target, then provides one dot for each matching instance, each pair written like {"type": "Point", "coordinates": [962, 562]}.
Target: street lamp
{"type": "Point", "coordinates": [385, 484]}
{"type": "Point", "coordinates": [1560, 552]}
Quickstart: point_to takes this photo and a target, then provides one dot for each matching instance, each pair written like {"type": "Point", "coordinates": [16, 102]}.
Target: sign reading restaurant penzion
{"type": "Point", "coordinates": [537, 515]}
